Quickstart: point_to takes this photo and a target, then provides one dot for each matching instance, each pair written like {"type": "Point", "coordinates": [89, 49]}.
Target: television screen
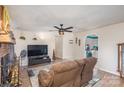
{"type": "Point", "coordinates": [37, 50]}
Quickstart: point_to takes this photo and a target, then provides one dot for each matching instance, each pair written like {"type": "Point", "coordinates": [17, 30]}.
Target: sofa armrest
{"type": "Point", "coordinates": [45, 78]}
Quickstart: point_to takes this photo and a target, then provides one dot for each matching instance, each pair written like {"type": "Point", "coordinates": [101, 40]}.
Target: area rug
{"type": "Point", "coordinates": [93, 82]}
{"type": "Point", "coordinates": [34, 79]}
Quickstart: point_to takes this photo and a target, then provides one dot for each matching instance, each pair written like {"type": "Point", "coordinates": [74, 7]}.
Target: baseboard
{"type": "Point", "coordinates": [58, 58]}
{"type": "Point", "coordinates": [114, 73]}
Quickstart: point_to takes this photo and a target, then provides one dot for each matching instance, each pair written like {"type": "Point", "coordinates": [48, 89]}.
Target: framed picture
{"type": "Point", "coordinates": [79, 42]}
{"type": "Point", "coordinates": [76, 40]}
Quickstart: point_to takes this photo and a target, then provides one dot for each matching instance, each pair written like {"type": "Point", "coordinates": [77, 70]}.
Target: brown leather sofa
{"type": "Point", "coordinates": [87, 70]}
{"type": "Point", "coordinates": [68, 74]}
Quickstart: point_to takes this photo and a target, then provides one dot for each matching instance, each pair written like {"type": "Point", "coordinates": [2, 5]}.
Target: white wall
{"type": "Point", "coordinates": [43, 38]}
{"type": "Point", "coordinates": [59, 47]}
{"type": "Point", "coordinates": [108, 38]}
{"type": "Point", "coordinates": [63, 48]}
{"type": "Point", "coordinates": [68, 48]}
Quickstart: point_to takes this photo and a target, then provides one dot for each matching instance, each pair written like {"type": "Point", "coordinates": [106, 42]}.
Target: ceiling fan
{"type": "Point", "coordinates": [61, 30]}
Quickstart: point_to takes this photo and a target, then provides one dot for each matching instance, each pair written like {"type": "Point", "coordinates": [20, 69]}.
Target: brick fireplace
{"type": "Point", "coordinates": [7, 42]}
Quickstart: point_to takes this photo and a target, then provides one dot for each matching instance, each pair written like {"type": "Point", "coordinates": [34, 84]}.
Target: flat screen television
{"type": "Point", "coordinates": [37, 50]}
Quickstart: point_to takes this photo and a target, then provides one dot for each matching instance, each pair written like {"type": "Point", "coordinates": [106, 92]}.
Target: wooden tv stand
{"type": "Point", "coordinates": [34, 60]}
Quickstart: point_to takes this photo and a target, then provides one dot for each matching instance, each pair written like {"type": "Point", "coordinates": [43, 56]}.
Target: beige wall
{"type": "Point", "coordinates": [109, 37]}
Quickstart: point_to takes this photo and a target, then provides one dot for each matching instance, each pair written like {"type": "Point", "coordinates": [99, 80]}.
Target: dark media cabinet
{"type": "Point", "coordinates": [35, 60]}
{"type": "Point", "coordinates": [38, 54]}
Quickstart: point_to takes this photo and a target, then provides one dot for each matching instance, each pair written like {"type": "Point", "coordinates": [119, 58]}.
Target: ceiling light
{"type": "Point", "coordinates": [61, 32]}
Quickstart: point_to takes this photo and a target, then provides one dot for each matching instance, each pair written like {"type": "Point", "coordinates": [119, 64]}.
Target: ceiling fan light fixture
{"type": "Point", "coordinates": [61, 33]}
{"type": "Point", "coordinates": [61, 30]}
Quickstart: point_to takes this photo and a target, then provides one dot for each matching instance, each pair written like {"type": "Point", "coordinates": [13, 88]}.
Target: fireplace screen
{"type": "Point", "coordinates": [5, 70]}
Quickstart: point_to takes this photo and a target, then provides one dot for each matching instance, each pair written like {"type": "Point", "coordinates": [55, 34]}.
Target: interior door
{"type": "Point", "coordinates": [59, 47]}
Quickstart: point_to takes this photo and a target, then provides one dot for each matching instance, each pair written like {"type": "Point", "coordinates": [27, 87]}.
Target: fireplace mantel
{"type": "Point", "coordinates": [3, 51]}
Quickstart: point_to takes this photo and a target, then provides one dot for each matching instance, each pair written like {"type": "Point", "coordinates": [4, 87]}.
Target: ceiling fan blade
{"type": "Point", "coordinates": [53, 30]}
{"type": "Point", "coordinates": [69, 28]}
{"type": "Point", "coordinates": [56, 27]}
{"type": "Point", "coordinates": [67, 31]}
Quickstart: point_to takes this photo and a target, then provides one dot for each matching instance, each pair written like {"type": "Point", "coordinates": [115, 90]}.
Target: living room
{"type": "Point", "coordinates": [59, 36]}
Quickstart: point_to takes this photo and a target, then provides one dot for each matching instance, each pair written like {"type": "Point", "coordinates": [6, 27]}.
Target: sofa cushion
{"type": "Point", "coordinates": [66, 77]}
{"type": "Point", "coordinates": [65, 73]}
{"type": "Point", "coordinates": [80, 62]}
{"type": "Point", "coordinates": [64, 66]}
{"type": "Point", "coordinates": [45, 78]}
